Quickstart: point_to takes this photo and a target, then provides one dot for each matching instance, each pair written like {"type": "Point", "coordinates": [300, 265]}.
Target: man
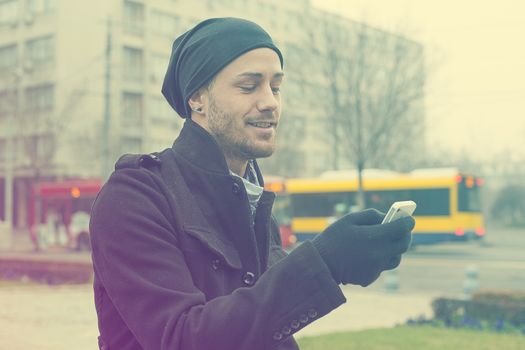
{"type": "Point", "coordinates": [185, 251]}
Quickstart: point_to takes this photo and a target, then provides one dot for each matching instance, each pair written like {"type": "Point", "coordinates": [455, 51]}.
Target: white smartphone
{"type": "Point", "coordinates": [399, 210]}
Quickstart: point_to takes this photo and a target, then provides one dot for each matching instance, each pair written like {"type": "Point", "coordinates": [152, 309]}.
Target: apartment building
{"type": "Point", "coordinates": [80, 83]}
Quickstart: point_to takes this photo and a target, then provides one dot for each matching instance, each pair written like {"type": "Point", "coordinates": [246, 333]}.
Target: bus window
{"type": "Point", "coordinates": [430, 202]}
{"type": "Point", "coordinates": [382, 200]}
{"type": "Point", "coordinates": [468, 197]}
{"type": "Point", "coordinates": [319, 204]}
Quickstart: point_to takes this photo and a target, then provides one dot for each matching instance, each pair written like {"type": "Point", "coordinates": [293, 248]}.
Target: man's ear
{"type": "Point", "coordinates": [197, 101]}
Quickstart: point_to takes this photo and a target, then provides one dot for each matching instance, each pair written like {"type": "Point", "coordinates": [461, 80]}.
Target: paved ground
{"type": "Point", "coordinates": [39, 317]}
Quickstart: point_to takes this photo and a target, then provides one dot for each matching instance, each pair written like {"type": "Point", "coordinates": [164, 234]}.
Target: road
{"type": "Point", "coordinates": [440, 269]}
{"type": "Point", "coordinates": [40, 317]}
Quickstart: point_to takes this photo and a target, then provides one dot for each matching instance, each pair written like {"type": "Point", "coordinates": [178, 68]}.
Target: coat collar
{"type": "Point", "coordinates": [197, 146]}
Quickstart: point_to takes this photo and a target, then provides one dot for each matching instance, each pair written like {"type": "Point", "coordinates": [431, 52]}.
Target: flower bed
{"type": "Point", "coordinates": [488, 310]}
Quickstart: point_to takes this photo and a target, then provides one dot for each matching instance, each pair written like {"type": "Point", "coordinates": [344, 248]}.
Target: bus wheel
{"type": "Point", "coordinates": [83, 242]}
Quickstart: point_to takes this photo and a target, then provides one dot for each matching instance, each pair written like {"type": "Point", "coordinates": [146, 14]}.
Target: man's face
{"type": "Point", "coordinates": [242, 106]}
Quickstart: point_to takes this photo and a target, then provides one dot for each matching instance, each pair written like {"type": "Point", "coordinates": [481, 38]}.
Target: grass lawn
{"type": "Point", "coordinates": [412, 338]}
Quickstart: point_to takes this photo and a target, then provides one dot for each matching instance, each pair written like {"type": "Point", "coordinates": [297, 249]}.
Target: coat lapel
{"type": "Point", "coordinates": [221, 204]}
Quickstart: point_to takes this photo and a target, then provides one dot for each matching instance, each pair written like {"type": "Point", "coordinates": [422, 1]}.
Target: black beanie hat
{"type": "Point", "coordinates": [200, 53]}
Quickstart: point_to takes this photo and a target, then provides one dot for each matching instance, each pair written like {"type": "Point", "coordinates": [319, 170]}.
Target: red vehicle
{"type": "Point", "coordinates": [58, 213]}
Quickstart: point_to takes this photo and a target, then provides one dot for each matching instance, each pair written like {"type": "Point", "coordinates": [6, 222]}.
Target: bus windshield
{"type": "Point", "coordinates": [468, 196]}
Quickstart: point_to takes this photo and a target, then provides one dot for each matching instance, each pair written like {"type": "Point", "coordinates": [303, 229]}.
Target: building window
{"type": "Point", "coordinates": [156, 108]}
{"type": "Point", "coordinates": [39, 98]}
{"type": "Point", "coordinates": [130, 144]}
{"type": "Point", "coordinates": [8, 56]}
{"type": "Point", "coordinates": [41, 50]}
{"type": "Point", "coordinates": [165, 24]}
{"type": "Point", "coordinates": [39, 148]}
{"type": "Point", "coordinates": [41, 6]}
{"type": "Point", "coordinates": [159, 65]}
{"type": "Point", "coordinates": [161, 112]}
{"type": "Point", "coordinates": [134, 17]}
{"type": "Point", "coordinates": [9, 12]}
{"type": "Point", "coordinates": [133, 64]}
{"type": "Point", "coordinates": [7, 103]}
{"type": "Point", "coordinates": [132, 109]}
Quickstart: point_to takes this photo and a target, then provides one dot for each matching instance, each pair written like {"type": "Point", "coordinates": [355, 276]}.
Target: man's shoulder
{"type": "Point", "coordinates": [148, 161]}
{"type": "Point", "coordinates": [158, 169]}
{"type": "Point", "coordinates": [136, 175]}
{"type": "Point", "coordinates": [134, 171]}
{"type": "Point", "coordinates": [136, 161]}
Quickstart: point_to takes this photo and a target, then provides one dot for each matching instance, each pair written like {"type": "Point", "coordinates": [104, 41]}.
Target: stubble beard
{"type": "Point", "coordinates": [232, 142]}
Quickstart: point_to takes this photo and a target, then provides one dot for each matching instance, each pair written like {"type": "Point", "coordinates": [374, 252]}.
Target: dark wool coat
{"type": "Point", "coordinates": [179, 266]}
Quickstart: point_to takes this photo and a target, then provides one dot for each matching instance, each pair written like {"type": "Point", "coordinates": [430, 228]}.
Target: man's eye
{"type": "Point", "coordinates": [276, 90]}
{"type": "Point", "coordinates": [248, 88]}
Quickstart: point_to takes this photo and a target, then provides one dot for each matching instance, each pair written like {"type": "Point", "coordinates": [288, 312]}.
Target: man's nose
{"type": "Point", "coordinates": [267, 101]}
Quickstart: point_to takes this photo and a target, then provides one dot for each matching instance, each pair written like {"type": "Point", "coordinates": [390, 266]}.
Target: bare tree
{"type": "Point", "coordinates": [40, 130]}
{"type": "Point", "coordinates": [374, 97]}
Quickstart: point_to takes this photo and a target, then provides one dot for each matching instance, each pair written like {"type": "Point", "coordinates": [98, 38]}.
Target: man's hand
{"type": "Point", "coordinates": [357, 247]}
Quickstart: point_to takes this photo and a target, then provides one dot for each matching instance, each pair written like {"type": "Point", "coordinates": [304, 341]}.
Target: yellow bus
{"type": "Point", "coordinates": [448, 202]}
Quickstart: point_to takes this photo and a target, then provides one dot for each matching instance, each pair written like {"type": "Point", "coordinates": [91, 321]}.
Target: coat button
{"type": "Point", "coordinates": [277, 336]}
{"type": "Point", "coordinates": [303, 318]}
{"type": "Point", "coordinates": [215, 264]}
{"type": "Point", "coordinates": [236, 188]}
{"type": "Point", "coordinates": [312, 313]}
{"type": "Point", "coordinates": [286, 330]}
{"type": "Point", "coordinates": [295, 324]}
{"type": "Point", "coordinates": [248, 278]}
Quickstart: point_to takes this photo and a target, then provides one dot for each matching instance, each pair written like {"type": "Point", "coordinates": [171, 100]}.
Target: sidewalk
{"type": "Point", "coordinates": [63, 317]}
{"type": "Point", "coordinates": [19, 241]}
{"type": "Point", "coordinates": [54, 265]}
{"type": "Point", "coordinates": [366, 309]}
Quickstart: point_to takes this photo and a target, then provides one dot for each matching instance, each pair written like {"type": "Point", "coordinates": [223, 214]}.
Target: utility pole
{"type": "Point", "coordinates": [106, 149]}
{"type": "Point", "coordinates": [361, 200]}
{"type": "Point", "coordinates": [9, 166]}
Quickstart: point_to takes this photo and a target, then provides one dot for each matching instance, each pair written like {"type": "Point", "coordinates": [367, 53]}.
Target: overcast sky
{"type": "Point", "coordinates": [476, 57]}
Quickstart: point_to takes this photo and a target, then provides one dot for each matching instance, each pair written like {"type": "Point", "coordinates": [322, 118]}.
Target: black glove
{"type": "Point", "coordinates": [357, 248]}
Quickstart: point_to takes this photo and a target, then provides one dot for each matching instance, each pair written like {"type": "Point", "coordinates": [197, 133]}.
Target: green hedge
{"type": "Point", "coordinates": [414, 338]}
{"type": "Point", "coordinates": [490, 306]}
